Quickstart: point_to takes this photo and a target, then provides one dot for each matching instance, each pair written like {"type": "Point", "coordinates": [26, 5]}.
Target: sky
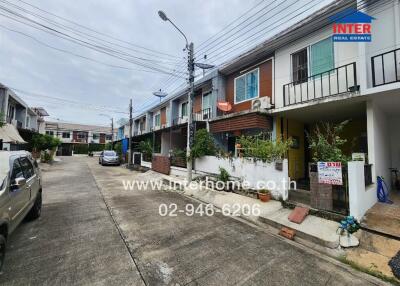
{"type": "Point", "coordinates": [78, 84]}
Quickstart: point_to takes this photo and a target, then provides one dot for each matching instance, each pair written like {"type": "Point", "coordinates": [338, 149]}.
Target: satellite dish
{"type": "Point", "coordinates": [160, 94]}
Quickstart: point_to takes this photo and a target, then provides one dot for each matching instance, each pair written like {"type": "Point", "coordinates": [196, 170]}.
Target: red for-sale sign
{"type": "Point", "coordinates": [330, 173]}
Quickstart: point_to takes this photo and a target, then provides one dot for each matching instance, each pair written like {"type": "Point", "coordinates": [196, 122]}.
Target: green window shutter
{"type": "Point", "coordinates": [322, 56]}
{"type": "Point", "coordinates": [240, 88]}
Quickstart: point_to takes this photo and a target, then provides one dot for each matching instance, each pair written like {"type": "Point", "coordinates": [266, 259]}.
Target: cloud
{"type": "Point", "coordinates": [29, 66]}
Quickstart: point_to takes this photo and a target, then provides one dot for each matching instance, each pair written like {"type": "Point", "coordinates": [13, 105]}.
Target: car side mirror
{"type": "Point", "coordinates": [18, 183]}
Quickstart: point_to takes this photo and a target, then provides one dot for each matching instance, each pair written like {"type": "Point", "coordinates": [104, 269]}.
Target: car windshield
{"type": "Point", "coordinates": [110, 153]}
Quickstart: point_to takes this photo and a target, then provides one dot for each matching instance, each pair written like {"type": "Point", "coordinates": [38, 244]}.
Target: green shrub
{"type": "Point", "coordinates": [2, 119]}
{"type": "Point", "coordinates": [42, 142]}
{"type": "Point", "coordinates": [223, 175]}
{"type": "Point", "coordinates": [146, 149]}
{"type": "Point", "coordinates": [45, 157]}
{"type": "Point", "coordinates": [118, 148]}
{"type": "Point", "coordinates": [203, 145]}
{"type": "Point", "coordinates": [326, 144]}
{"type": "Point", "coordinates": [81, 148]}
{"type": "Point", "coordinates": [264, 149]}
{"type": "Point", "coordinates": [96, 147]}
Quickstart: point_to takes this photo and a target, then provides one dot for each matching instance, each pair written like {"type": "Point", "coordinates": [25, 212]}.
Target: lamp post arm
{"type": "Point", "coordinates": [176, 27]}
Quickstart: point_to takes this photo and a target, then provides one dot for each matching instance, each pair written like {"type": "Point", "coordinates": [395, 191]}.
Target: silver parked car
{"type": "Point", "coordinates": [109, 158]}
{"type": "Point", "coordinates": [20, 193]}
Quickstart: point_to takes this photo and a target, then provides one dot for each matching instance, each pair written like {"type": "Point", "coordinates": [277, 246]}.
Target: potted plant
{"type": "Point", "coordinates": [264, 195]}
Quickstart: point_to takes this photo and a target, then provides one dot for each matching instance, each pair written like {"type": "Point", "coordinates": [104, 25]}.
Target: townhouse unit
{"type": "Point", "coordinates": [72, 134]}
{"type": "Point", "coordinates": [18, 118]}
{"type": "Point", "coordinates": [17, 112]}
{"type": "Point", "coordinates": [166, 123]}
{"type": "Point", "coordinates": [302, 76]}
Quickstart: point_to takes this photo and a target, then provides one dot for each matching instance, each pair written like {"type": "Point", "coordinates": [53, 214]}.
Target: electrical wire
{"type": "Point", "coordinates": [95, 31]}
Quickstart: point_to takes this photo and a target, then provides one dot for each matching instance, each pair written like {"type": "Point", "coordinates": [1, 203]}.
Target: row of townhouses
{"type": "Point", "coordinates": [17, 115]}
{"type": "Point", "coordinates": [21, 121]}
{"type": "Point", "coordinates": [71, 135]}
{"type": "Point", "coordinates": [291, 82]}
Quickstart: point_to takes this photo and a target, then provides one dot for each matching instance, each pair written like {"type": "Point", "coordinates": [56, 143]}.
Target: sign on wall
{"type": "Point", "coordinates": [330, 173]}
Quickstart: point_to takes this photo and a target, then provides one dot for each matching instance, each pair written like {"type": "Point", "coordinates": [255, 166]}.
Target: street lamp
{"type": "Point", "coordinates": [191, 65]}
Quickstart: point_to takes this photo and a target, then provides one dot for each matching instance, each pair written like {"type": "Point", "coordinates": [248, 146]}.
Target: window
{"type": "Point", "coordinates": [51, 133]}
{"type": "Point", "coordinates": [65, 135]}
{"type": "Point", "coordinates": [28, 121]}
{"type": "Point", "coordinates": [246, 86]}
{"type": "Point", "coordinates": [300, 66]}
{"type": "Point", "coordinates": [141, 125]}
{"type": "Point", "coordinates": [16, 171]}
{"type": "Point", "coordinates": [110, 153]}
{"type": "Point", "coordinates": [157, 120]}
{"type": "Point", "coordinates": [81, 135]}
{"type": "Point", "coordinates": [96, 136]}
{"type": "Point", "coordinates": [27, 167]}
{"type": "Point", "coordinates": [184, 109]}
{"type": "Point", "coordinates": [322, 56]}
{"type": "Point", "coordinates": [108, 137]}
{"type": "Point", "coordinates": [206, 105]}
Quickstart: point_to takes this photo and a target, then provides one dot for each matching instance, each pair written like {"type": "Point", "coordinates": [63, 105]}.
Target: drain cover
{"type": "Point", "coordinates": [394, 263]}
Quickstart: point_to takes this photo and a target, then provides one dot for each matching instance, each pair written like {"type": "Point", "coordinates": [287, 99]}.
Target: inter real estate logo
{"type": "Point", "coordinates": [351, 25]}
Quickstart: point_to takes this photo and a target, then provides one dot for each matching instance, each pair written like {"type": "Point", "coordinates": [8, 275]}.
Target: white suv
{"type": "Point", "coordinates": [20, 193]}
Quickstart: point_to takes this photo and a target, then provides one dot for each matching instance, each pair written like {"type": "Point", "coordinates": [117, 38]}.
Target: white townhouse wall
{"type": "Point", "coordinates": [385, 38]}
{"type": "Point", "coordinates": [343, 54]}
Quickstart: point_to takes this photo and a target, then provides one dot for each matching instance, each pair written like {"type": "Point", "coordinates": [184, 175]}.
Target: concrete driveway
{"type": "Point", "coordinates": [78, 242]}
{"type": "Point", "coordinates": [75, 241]}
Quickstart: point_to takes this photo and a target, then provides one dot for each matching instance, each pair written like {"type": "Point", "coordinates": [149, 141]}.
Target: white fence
{"type": "Point", "coordinates": [259, 175]}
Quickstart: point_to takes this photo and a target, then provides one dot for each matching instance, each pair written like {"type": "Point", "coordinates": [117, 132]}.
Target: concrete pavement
{"type": "Point", "coordinates": [75, 241]}
{"type": "Point", "coordinates": [216, 250]}
{"type": "Point", "coordinates": [78, 242]}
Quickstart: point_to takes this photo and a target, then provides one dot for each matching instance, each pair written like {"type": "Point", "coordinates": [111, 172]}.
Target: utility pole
{"type": "Point", "coordinates": [190, 127]}
{"type": "Point", "coordinates": [112, 133]}
{"type": "Point", "coordinates": [130, 135]}
{"type": "Point", "coordinates": [191, 64]}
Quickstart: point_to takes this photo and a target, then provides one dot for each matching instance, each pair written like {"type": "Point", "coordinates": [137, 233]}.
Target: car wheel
{"type": "Point", "coordinates": [2, 250]}
{"type": "Point", "coordinates": [36, 209]}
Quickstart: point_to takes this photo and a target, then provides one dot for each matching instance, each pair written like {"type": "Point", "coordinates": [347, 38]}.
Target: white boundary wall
{"type": "Point", "coordinates": [361, 198]}
{"type": "Point", "coordinates": [249, 170]}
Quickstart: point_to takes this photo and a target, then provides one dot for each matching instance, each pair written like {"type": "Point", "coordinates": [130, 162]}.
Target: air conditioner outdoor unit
{"type": "Point", "coordinates": [261, 103]}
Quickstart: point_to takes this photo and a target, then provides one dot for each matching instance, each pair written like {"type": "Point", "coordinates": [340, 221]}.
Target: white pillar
{"type": "Point", "coordinates": [356, 188]}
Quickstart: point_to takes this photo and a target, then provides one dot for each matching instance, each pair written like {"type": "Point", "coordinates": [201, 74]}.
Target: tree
{"type": "Point", "coordinates": [203, 145]}
{"type": "Point", "coordinates": [42, 142]}
{"type": "Point", "coordinates": [326, 144]}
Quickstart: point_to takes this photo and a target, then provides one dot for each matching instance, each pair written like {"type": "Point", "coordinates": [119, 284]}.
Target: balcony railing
{"type": "Point", "coordinates": [386, 68]}
{"type": "Point", "coordinates": [203, 115]}
{"type": "Point", "coordinates": [336, 81]}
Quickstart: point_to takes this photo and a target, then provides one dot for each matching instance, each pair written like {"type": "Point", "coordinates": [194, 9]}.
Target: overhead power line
{"type": "Point", "coordinates": [97, 32]}
{"type": "Point", "coordinates": [86, 44]}
{"type": "Point", "coordinates": [84, 105]}
{"type": "Point", "coordinates": [74, 54]}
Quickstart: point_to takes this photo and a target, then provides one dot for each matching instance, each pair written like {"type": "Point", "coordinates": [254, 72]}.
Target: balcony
{"type": "Point", "coordinates": [203, 115]}
{"type": "Point", "coordinates": [333, 82]}
{"type": "Point", "coordinates": [386, 68]}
